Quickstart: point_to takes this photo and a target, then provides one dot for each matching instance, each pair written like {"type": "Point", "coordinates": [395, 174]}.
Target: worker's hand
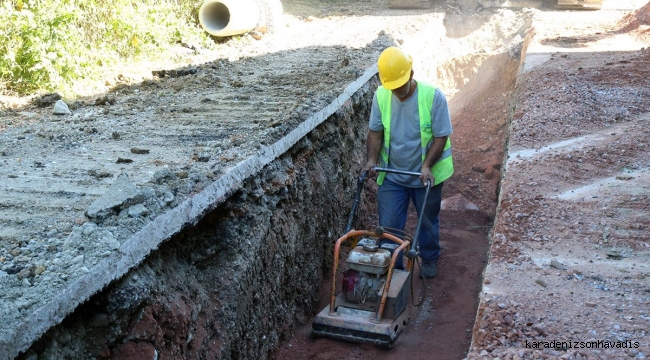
{"type": "Point", "coordinates": [427, 175]}
{"type": "Point", "coordinates": [370, 168]}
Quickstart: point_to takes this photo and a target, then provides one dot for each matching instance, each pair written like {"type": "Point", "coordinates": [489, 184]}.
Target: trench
{"type": "Point", "coordinates": [246, 280]}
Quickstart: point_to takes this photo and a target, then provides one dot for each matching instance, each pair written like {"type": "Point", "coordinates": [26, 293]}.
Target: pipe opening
{"type": "Point", "coordinates": [215, 16]}
{"type": "Point", "coordinates": [229, 17]}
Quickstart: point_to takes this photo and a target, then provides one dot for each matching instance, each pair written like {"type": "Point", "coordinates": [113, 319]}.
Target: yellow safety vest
{"type": "Point", "coordinates": [443, 168]}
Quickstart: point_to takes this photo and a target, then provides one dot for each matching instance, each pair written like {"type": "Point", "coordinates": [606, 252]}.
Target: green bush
{"type": "Point", "coordinates": [48, 44]}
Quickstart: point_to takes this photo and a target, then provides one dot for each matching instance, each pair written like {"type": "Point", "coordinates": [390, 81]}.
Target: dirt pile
{"type": "Point", "coordinates": [638, 22]}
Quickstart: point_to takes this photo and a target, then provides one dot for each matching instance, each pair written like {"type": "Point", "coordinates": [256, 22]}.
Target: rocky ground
{"type": "Point", "coordinates": [576, 121]}
{"type": "Point", "coordinates": [568, 277]}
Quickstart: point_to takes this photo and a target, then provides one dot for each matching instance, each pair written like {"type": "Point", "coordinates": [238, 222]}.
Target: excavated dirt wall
{"type": "Point", "coordinates": [232, 286]}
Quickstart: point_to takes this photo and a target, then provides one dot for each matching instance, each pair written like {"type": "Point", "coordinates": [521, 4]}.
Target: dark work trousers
{"type": "Point", "coordinates": [392, 205]}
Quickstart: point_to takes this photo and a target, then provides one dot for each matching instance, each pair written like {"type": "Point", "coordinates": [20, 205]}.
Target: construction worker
{"type": "Point", "coordinates": [410, 127]}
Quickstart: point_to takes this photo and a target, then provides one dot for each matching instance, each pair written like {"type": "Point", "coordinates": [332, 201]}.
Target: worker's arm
{"type": "Point", "coordinates": [373, 148]}
{"type": "Point", "coordinates": [432, 156]}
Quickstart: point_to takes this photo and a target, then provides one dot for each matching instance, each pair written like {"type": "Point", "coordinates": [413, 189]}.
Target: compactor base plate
{"type": "Point", "coordinates": [355, 325]}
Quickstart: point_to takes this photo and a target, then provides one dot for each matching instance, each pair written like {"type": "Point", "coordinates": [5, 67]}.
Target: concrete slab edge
{"type": "Point", "coordinates": [138, 247]}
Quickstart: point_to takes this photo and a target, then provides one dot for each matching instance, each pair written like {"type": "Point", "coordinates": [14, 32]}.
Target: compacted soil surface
{"type": "Point", "coordinates": [550, 190]}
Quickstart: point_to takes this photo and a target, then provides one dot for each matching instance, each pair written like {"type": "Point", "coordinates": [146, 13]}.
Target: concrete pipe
{"type": "Point", "coordinates": [229, 17]}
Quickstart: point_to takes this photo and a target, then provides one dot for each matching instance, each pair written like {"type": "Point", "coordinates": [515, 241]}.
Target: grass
{"type": "Point", "coordinates": [51, 44]}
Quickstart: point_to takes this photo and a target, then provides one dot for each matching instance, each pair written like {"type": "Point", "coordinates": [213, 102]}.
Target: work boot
{"type": "Point", "coordinates": [429, 269]}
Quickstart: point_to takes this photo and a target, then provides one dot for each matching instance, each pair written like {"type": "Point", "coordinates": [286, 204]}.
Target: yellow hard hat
{"type": "Point", "coordinates": [394, 67]}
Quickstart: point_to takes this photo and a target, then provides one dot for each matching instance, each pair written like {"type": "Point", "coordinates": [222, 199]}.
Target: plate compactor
{"type": "Point", "coordinates": [364, 311]}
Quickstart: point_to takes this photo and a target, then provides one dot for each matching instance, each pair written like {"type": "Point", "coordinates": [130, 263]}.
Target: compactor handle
{"type": "Point", "coordinates": [395, 171]}
{"type": "Point", "coordinates": [357, 199]}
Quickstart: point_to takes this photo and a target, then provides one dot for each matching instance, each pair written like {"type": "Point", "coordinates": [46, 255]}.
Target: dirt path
{"type": "Point", "coordinates": [442, 324]}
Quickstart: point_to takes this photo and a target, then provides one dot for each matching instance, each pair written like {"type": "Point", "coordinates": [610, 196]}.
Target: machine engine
{"type": "Point", "coordinates": [368, 265]}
